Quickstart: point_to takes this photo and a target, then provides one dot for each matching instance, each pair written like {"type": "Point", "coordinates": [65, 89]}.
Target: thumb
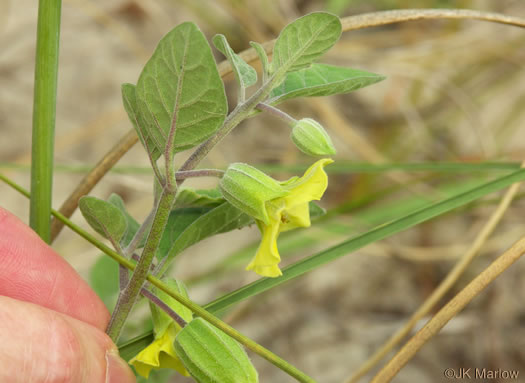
{"type": "Point", "coordinates": [40, 345]}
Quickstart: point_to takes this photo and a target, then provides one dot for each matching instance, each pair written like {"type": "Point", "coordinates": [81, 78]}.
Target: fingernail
{"type": "Point", "coordinates": [117, 370]}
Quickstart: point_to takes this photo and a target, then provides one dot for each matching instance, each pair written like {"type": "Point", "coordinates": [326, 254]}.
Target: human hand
{"type": "Point", "coordinates": [51, 322]}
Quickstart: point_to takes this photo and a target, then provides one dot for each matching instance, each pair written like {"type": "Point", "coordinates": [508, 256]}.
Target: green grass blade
{"type": "Point", "coordinates": [353, 244]}
{"type": "Point", "coordinates": [339, 167]}
{"type": "Point", "coordinates": [44, 111]}
{"type": "Point", "coordinates": [133, 346]}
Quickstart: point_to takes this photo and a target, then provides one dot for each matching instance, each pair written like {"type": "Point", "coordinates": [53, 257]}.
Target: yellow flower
{"type": "Point", "coordinates": [286, 213]}
{"type": "Point", "coordinates": [159, 354]}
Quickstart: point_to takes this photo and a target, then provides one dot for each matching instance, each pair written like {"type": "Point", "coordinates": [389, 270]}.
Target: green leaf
{"type": "Point", "coordinates": [220, 219]}
{"type": "Point", "coordinates": [132, 224]}
{"type": "Point", "coordinates": [178, 221]}
{"type": "Point", "coordinates": [353, 244]}
{"type": "Point", "coordinates": [180, 87]}
{"type": "Point", "coordinates": [105, 218]}
{"type": "Point", "coordinates": [315, 210]}
{"type": "Point", "coordinates": [130, 105]}
{"type": "Point", "coordinates": [321, 80]}
{"type": "Point", "coordinates": [103, 278]}
{"type": "Point", "coordinates": [244, 73]}
{"type": "Point", "coordinates": [263, 57]}
{"type": "Point", "coordinates": [199, 198]}
{"type": "Point", "coordinates": [303, 41]}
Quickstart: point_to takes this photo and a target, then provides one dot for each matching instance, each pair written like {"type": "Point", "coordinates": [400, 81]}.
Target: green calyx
{"type": "Point", "coordinates": [211, 356]}
{"type": "Point", "coordinates": [248, 189]}
{"type": "Point", "coordinates": [310, 137]}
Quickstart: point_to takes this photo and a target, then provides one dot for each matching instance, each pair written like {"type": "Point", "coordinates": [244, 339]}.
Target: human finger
{"type": "Point", "coordinates": [33, 272]}
{"type": "Point", "coordinates": [40, 345]}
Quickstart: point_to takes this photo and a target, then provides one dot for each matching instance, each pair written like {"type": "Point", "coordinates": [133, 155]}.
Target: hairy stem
{"type": "Point", "coordinates": [182, 175]}
{"type": "Point", "coordinates": [276, 113]}
{"type": "Point", "coordinates": [137, 238]}
{"type": "Point", "coordinates": [163, 306]}
{"type": "Point", "coordinates": [129, 296]}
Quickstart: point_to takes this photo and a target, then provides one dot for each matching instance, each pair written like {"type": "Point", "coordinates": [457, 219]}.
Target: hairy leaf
{"type": "Point", "coordinates": [180, 88]}
{"type": "Point", "coordinates": [262, 56]}
{"type": "Point", "coordinates": [178, 221]}
{"type": "Point", "coordinates": [246, 76]}
{"type": "Point", "coordinates": [321, 80]}
{"type": "Point", "coordinates": [199, 198]}
{"type": "Point", "coordinates": [216, 220]}
{"type": "Point", "coordinates": [130, 105]}
{"type": "Point", "coordinates": [105, 218]}
{"type": "Point", "coordinates": [303, 41]}
{"type": "Point", "coordinates": [132, 224]}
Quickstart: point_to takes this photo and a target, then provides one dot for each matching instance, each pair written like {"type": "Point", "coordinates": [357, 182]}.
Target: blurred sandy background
{"type": "Point", "coordinates": [455, 91]}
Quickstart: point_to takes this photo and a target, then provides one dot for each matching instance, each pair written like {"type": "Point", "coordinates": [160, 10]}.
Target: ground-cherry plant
{"type": "Point", "coordinates": [179, 103]}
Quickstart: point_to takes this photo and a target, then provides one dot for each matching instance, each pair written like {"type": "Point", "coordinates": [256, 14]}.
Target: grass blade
{"type": "Point", "coordinates": [44, 111]}
{"type": "Point", "coordinates": [353, 244]}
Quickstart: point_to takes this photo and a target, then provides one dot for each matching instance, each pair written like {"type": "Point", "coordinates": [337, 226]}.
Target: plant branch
{"type": "Point", "coordinates": [182, 175]}
{"type": "Point", "coordinates": [44, 116]}
{"type": "Point", "coordinates": [129, 296]}
{"type": "Point", "coordinates": [376, 19]}
{"type": "Point", "coordinates": [137, 238]}
{"type": "Point", "coordinates": [451, 309]}
{"type": "Point", "coordinates": [443, 287]}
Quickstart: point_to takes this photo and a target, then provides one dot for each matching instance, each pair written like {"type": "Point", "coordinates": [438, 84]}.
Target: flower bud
{"type": "Point", "coordinates": [248, 189]}
{"type": "Point", "coordinates": [211, 356]}
{"type": "Point", "coordinates": [311, 138]}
